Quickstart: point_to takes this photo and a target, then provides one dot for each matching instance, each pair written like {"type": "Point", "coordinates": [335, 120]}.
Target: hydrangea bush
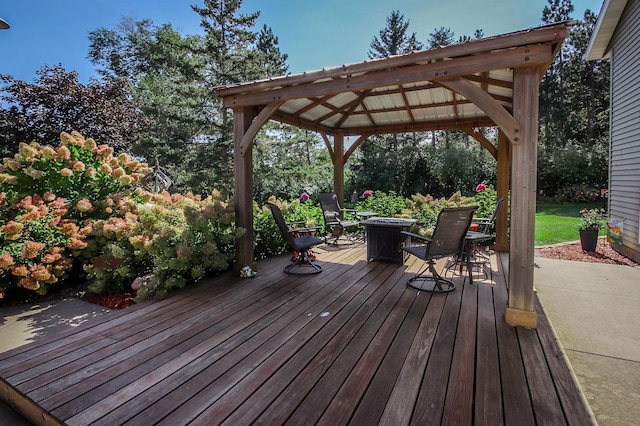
{"type": "Point", "coordinates": [179, 239]}
{"type": "Point", "coordinates": [74, 206]}
{"type": "Point", "coordinates": [48, 197]}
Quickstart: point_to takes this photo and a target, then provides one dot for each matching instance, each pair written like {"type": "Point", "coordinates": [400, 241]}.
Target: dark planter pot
{"type": "Point", "coordinates": [589, 239]}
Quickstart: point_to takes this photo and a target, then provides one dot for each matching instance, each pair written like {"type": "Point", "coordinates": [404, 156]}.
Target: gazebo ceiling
{"type": "Point", "coordinates": [437, 89]}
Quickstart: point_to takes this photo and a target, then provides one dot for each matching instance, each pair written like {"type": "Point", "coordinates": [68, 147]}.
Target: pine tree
{"type": "Point", "coordinates": [393, 39]}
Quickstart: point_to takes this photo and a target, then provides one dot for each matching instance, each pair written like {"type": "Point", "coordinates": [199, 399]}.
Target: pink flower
{"type": "Point", "coordinates": [304, 196]}
{"type": "Point", "coordinates": [5, 260]}
{"type": "Point", "coordinates": [481, 187]}
{"type": "Point", "coordinates": [31, 249]}
{"type": "Point", "coordinates": [367, 193]}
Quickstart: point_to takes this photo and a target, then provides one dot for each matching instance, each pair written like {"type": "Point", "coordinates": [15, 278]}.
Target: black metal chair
{"type": "Point", "coordinates": [485, 224]}
{"type": "Point", "coordinates": [302, 264]}
{"type": "Point", "coordinates": [336, 217]}
{"type": "Point", "coordinates": [478, 247]}
{"type": "Point", "coordinates": [447, 240]}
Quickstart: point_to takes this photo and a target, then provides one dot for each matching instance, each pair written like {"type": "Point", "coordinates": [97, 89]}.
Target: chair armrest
{"type": "Point", "coordinates": [416, 236]}
{"type": "Point", "coordinates": [351, 212]}
{"type": "Point", "coordinates": [298, 222]}
{"type": "Point", "coordinates": [481, 220]}
{"type": "Point", "coordinates": [309, 229]}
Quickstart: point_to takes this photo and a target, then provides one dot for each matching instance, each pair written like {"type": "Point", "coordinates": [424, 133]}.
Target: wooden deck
{"type": "Point", "coordinates": [351, 345]}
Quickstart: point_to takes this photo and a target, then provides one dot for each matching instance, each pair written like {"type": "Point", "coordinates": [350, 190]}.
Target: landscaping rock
{"type": "Point", "coordinates": [141, 282]}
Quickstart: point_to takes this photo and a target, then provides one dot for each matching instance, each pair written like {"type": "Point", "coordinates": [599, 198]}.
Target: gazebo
{"type": "Point", "coordinates": [491, 82]}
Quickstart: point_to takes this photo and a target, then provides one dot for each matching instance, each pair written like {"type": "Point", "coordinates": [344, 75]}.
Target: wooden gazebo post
{"type": "Point", "coordinates": [338, 166]}
{"type": "Point", "coordinates": [521, 310]}
{"type": "Point", "coordinates": [502, 190]}
{"type": "Point", "coordinates": [243, 184]}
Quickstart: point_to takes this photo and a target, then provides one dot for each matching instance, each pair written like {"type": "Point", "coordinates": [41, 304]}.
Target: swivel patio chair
{"type": "Point", "coordinates": [479, 251]}
{"type": "Point", "coordinates": [336, 218]}
{"type": "Point", "coordinates": [447, 240]}
{"type": "Point", "coordinates": [301, 240]}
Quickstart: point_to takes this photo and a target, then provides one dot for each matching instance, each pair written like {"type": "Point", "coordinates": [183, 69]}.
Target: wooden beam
{"type": "Point", "coordinates": [483, 141]}
{"type": "Point", "coordinates": [256, 124]}
{"type": "Point", "coordinates": [387, 128]}
{"type": "Point", "coordinates": [529, 37]}
{"type": "Point", "coordinates": [433, 71]}
{"type": "Point", "coordinates": [338, 167]}
{"type": "Point", "coordinates": [243, 183]}
{"type": "Point", "coordinates": [502, 190]}
{"type": "Point", "coordinates": [327, 143]}
{"type": "Point", "coordinates": [521, 310]}
{"type": "Point", "coordinates": [355, 145]}
{"type": "Point", "coordinates": [487, 104]}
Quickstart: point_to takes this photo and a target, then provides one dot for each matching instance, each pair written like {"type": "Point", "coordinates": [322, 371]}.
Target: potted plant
{"type": "Point", "coordinates": [590, 227]}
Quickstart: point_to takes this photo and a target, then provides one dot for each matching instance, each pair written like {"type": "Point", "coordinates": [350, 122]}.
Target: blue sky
{"type": "Point", "coordinates": [315, 34]}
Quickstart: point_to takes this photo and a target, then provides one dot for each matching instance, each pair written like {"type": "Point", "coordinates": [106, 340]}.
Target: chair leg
{"type": "Point", "coordinates": [434, 283]}
{"type": "Point", "coordinates": [339, 233]}
{"type": "Point", "coordinates": [301, 264]}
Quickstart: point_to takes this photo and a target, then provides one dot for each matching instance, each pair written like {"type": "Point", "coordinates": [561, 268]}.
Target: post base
{"type": "Point", "coordinates": [519, 318]}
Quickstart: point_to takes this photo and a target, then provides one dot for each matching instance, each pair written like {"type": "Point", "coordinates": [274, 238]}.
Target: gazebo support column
{"type": "Point", "coordinates": [243, 173]}
{"type": "Point", "coordinates": [521, 310]}
{"type": "Point", "coordinates": [502, 190]}
{"type": "Point", "coordinates": [338, 167]}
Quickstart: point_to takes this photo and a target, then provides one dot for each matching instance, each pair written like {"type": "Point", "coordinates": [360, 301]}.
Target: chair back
{"type": "Point", "coordinates": [486, 229]}
{"type": "Point", "coordinates": [330, 208]}
{"type": "Point", "coordinates": [284, 230]}
{"type": "Point", "coordinates": [451, 228]}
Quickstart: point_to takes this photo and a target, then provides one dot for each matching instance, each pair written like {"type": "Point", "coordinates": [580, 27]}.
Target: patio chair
{"type": "Point", "coordinates": [485, 224]}
{"type": "Point", "coordinates": [336, 218]}
{"type": "Point", "coordinates": [447, 240]}
{"type": "Point", "coordinates": [301, 240]}
{"type": "Point", "coordinates": [478, 251]}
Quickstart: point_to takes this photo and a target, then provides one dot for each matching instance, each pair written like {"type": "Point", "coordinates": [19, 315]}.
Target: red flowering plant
{"type": "Point", "coordinates": [485, 199]}
{"type": "Point", "coordinates": [49, 197]}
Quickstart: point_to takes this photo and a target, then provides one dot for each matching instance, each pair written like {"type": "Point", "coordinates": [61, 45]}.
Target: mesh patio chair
{"type": "Point", "coordinates": [447, 240]}
{"type": "Point", "coordinates": [485, 224]}
{"type": "Point", "coordinates": [336, 218]}
{"type": "Point", "coordinates": [301, 240]}
{"type": "Point", "coordinates": [480, 250]}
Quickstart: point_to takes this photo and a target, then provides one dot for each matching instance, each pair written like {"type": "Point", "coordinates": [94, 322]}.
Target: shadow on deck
{"type": "Point", "coordinates": [353, 344]}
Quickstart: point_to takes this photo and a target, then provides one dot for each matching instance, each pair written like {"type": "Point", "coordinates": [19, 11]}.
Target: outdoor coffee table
{"type": "Point", "coordinates": [384, 238]}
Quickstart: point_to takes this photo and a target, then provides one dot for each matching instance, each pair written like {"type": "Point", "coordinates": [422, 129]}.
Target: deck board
{"type": "Point", "coordinates": [352, 345]}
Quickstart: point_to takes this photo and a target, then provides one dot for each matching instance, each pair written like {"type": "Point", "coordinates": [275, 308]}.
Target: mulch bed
{"type": "Point", "coordinates": [112, 301]}
{"type": "Point", "coordinates": [573, 251]}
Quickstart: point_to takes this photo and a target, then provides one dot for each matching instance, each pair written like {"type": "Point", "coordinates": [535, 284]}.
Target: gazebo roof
{"type": "Point", "coordinates": [438, 89]}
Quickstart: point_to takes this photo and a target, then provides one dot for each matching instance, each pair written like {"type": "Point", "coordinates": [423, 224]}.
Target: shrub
{"type": "Point", "coordinates": [425, 208]}
{"type": "Point", "coordinates": [486, 199]}
{"type": "Point", "coordinates": [48, 197]}
{"type": "Point", "coordinates": [74, 205]}
{"type": "Point", "coordinates": [385, 204]}
{"type": "Point", "coordinates": [578, 194]}
{"type": "Point", "coordinates": [36, 242]}
{"type": "Point", "coordinates": [178, 238]}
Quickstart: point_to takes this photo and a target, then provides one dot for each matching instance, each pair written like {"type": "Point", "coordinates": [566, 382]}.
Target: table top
{"type": "Point", "coordinates": [473, 235]}
{"type": "Point", "coordinates": [389, 221]}
{"type": "Point", "coordinates": [366, 214]}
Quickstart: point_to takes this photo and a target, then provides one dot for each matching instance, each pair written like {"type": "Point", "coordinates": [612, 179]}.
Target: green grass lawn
{"type": "Point", "coordinates": [557, 223]}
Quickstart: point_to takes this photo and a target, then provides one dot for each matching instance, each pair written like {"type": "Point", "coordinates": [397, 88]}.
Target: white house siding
{"type": "Point", "coordinates": [624, 161]}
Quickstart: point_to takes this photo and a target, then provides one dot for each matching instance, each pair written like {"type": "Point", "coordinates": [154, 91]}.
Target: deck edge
{"type": "Point", "coordinates": [24, 406]}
